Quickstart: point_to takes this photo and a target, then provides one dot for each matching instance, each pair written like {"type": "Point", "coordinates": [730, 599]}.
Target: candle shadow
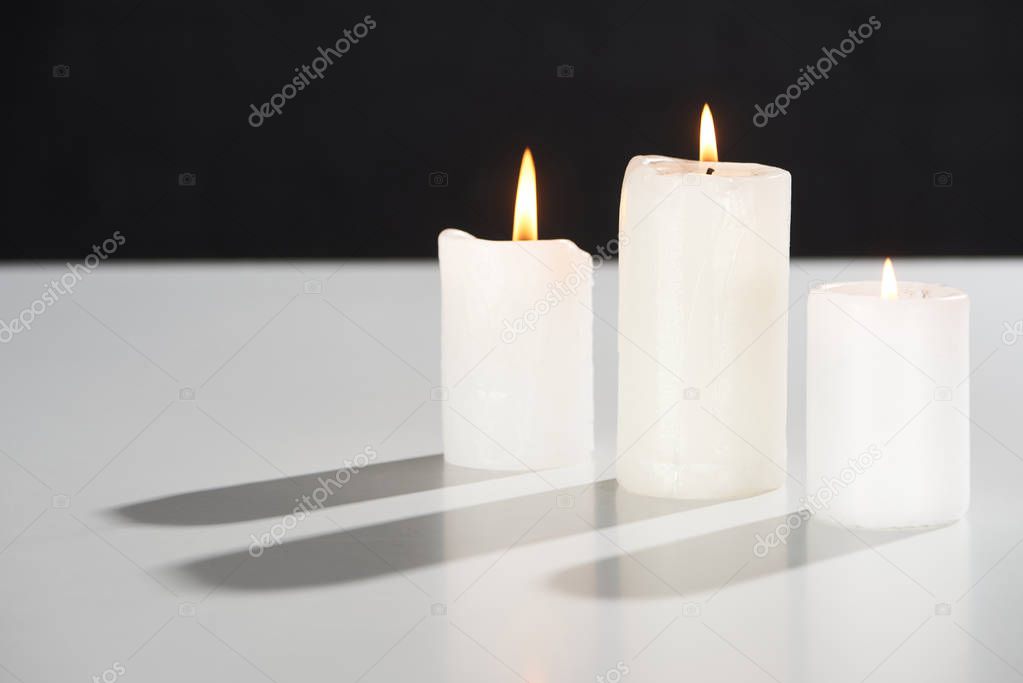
{"type": "Point", "coordinates": [415, 542]}
{"type": "Point", "coordinates": [277, 497]}
{"type": "Point", "coordinates": [707, 563]}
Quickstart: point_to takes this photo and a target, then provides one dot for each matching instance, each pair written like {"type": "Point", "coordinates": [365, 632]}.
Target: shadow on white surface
{"type": "Point", "coordinates": [708, 562]}
{"type": "Point", "coordinates": [278, 497]}
{"type": "Point", "coordinates": [431, 539]}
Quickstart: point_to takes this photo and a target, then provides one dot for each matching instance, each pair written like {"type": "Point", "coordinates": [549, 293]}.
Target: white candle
{"type": "Point", "coordinates": [888, 400]}
{"type": "Point", "coordinates": [516, 346]}
{"type": "Point", "coordinates": [704, 271]}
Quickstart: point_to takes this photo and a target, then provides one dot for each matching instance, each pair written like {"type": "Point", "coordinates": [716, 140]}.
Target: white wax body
{"type": "Point", "coordinates": [704, 273]}
{"type": "Point", "coordinates": [516, 352]}
{"type": "Point", "coordinates": [889, 378]}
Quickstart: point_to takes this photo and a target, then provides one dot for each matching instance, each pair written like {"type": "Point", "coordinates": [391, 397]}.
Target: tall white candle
{"type": "Point", "coordinates": [516, 347]}
{"type": "Point", "coordinates": [704, 271]}
{"type": "Point", "coordinates": [888, 400]}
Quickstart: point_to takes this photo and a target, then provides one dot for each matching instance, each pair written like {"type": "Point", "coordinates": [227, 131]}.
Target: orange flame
{"type": "Point", "coordinates": [708, 141]}
{"type": "Point", "coordinates": [889, 286]}
{"type": "Point", "coordinates": [524, 224]}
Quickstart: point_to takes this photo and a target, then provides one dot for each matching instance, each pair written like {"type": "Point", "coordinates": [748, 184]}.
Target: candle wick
{"type": "Point", "coordinates": [710, 171]}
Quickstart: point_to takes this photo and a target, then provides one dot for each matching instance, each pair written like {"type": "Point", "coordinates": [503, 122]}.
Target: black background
{"type": "Point", "coordinates": [160, 88]}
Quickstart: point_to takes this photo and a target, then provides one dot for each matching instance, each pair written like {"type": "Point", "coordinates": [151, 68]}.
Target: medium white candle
{"type": "Point", "coordinates": [516, 346]}
{"type": "Point", "coordinates": [888, 400]}
{"type": "Point", "coordinates": [704, 272]}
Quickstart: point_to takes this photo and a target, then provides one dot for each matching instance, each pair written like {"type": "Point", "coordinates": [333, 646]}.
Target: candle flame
{"type": "Point", "coordinates": [708, 141]}
{"type": "Point", "coordinates": [524, 224]}
{"type": "Point", "coordinates": [889, 286]}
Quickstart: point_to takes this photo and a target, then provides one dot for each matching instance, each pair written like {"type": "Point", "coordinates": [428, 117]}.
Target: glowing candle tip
{"type": "Point", "coordinates": [524, 224]}
{"type": "Point", "coordinates": [708, 140]}
{"type": "Point", "coordinates": [889, 286]}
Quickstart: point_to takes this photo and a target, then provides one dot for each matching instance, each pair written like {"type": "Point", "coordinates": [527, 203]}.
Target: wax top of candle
{"type": "Point", "coordinates": [456, 234]}
{"type": "Point", "coordinates": [722, 169]}
{"type": "Point", "coordinates": [908, 291]}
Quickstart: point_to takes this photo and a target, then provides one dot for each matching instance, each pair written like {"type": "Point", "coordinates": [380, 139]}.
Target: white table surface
{"type": "Point", "coordinates": [416, 571]}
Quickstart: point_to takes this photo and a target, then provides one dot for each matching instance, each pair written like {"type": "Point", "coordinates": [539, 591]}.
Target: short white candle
{"type": "Point", "coordinates": [888, 400]}
{"type": "Point", "coordinates": [516, 346]}
{"type": "Point", "coordinates": [704, 273]}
